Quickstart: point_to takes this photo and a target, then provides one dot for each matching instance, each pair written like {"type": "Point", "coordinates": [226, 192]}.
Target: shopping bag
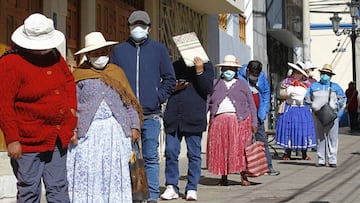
{"type": "Point", "coordinates": [140, 187]}
{"type": "Point", "coordinates": [256, 163]}
{"type": "Point", "coordinates": [326, 114]}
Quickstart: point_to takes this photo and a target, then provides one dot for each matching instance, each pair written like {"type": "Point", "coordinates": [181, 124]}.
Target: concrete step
{"type": "Point", "coordinates": [7, 180]}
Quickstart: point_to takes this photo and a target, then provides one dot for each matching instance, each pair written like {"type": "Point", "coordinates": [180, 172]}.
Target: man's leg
{"type": "Point", "coordinates": [172, 151]}
{"type": "Point", "coordinates": [150, 143]}
{"type": "Point", "coordinates": [28, 171]}
{"type": "Point", "coordinates": [261, 136]}
{"type": "Point", "coordinates": [193, 143]}
{"type": "Point", "coordinates": [333, 142]}
{"type": "Point", "coordinates": [54, 176]}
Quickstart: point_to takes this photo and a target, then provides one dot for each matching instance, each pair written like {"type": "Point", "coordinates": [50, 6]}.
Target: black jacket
{"type": "Point", "coordinates": [186, 108]}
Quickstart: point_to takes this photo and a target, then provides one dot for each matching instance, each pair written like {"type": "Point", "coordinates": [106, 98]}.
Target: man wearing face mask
{"type": "Point", "coordinates": [317, 95]}
{"type": "Point", "coordinates": [259, 86]}
{"type": "Point", "coordinates": [151, 75]}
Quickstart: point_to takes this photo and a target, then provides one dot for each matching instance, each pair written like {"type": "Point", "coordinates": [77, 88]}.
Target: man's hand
{"type": "Point", "coordinates": [199, 65]}
{"type": "Point", "coordinates": [14, 150]}
{"type": "Point", "coordinates": [254, 129]}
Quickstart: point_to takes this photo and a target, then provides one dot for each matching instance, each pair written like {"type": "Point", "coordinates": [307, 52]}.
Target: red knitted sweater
{"type": "Point", "coordinates": [35, 103]}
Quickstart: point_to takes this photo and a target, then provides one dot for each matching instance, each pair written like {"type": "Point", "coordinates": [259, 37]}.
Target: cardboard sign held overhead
{"type": "Point", "coordinates": [189, 47]}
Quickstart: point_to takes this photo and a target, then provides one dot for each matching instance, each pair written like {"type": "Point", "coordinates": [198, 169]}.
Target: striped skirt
{"type": "Point", "coordinates": [227, 139]}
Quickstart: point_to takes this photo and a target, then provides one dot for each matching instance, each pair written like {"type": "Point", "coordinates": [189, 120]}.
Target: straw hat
{"type": "Point", "coordinates": [327, 68]}
{"type": "Point", "coordinates": [94, 40]}
{"type": "Point", "coordinates": [299, 66]}
{"type": "Point", "coordinates": [37, 33]}
{"type": "Point", "coordinates": [229, 60]}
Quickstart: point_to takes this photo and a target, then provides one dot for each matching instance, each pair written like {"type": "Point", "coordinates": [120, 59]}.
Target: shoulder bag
{"type": "Point", "coordinates": [326, 114]}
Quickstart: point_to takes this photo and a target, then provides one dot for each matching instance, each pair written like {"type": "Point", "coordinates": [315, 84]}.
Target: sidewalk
{"type": "Point", "coordinates": [299, 182]}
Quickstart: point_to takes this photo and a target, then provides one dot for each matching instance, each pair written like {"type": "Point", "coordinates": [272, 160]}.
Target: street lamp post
{"type": "Point", "coordinates": [352, 33]}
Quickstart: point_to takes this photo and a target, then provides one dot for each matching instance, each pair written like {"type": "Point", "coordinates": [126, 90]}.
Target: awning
{"type": "Point", "coordinates": [286, 37]}
{"type": "Point", "coordinates": [215, 6]}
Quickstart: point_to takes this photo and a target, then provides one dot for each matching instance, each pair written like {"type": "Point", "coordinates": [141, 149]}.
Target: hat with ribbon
{"type": "Point", "coordinates": [299, 66]}
{"type": "Point", "coordinates": [327, 68]}
{"type": "Point", "coordinates": [37, 33]}
{"type": "Point", "coordinates": [229, 61]}
{"type": "Point", "coordinates": [93, 41]}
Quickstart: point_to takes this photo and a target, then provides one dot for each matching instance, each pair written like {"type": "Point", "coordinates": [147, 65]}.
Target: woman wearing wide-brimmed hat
{"type": "Point", "coordinates": [109, 118]}
{"type": "Point", "coordinates": [233, 119]}
{"type": "Point", "coordinates": [37, 109]}
{"type": "Point", "coordinates": [295, 126]}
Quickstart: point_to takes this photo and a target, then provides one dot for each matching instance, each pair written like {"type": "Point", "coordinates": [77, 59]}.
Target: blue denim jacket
{"type": "Point", "coordinates": [264, 93]}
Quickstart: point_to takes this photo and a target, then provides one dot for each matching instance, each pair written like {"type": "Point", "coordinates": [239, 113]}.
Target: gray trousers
{"type": "Point", "coordinates": [327, 141]}
{"type": "Point", "coordinates": [49, 166]}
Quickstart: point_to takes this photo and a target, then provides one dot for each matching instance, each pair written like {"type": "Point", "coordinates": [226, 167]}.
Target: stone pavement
{"type": "Point", "coordinates": [299, 182]}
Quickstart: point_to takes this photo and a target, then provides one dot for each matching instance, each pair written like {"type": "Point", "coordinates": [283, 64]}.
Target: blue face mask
{"type": "Point", "coordinates": [324, 78]}
{"type": "Point", "coordinates": [228, 74]}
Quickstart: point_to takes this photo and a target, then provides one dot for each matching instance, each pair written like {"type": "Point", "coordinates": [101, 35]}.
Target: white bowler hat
{"type": "Point", "coordinates": [94, 40]}
{"type": "Point", "coordinates": [229, 60]}
{"type": "Point", "coordinates": [299, 66]}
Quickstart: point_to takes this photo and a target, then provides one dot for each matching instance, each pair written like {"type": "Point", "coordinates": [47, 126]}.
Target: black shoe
{"type": "Point", "coordinates": [332, 165]}
{"type": "Point", "coordinates": [319, 165]}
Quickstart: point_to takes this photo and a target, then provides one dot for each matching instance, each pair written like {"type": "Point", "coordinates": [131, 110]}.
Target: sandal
{"type": "Point", "coordinates": [244, 180]}
{"type": "Point", "coordinates": [223, 181]}
{"type": "Point", "coordinates": [286, 158]}
{"type": "Point", "coordinates": [306, 158]}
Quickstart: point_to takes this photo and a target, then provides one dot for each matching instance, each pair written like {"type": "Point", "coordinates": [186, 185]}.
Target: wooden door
{"type": "Point", "coordinates": [111, 17]}
{"type": "Point", "coordinates": [12, 15]}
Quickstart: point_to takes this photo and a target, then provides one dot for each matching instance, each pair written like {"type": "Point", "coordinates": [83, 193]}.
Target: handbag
{"type": "Point", "coordinates": [139, 183]}
{"type": "Point", "coordinates": [326, 114]}
{"type": "Point", "coordinates": [256, 162]}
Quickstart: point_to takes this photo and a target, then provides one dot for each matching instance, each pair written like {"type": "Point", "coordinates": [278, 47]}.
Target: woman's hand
{"type": "Point", "coordinates": [254, 129]}
{"type": "Point", "coordinates": [74, 139]}
{"type": "Point", "coordinates": [135, 134]}
{"type": "Point", "coordinates": [14, 150]}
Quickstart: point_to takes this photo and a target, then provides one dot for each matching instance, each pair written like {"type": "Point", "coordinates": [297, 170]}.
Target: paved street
{"type": "Point", "coordinates": [299, 182]}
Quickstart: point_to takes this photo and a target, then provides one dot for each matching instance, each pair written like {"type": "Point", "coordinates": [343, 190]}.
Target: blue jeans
{"type": "Point", "coordinates": [150, 132]}
{"type": "Point", "coordinates": [172, 151]}
{"type": "Point", "coordinates": [261, 136]}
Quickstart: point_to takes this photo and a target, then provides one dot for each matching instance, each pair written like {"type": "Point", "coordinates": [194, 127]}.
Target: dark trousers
{"type": "Point", "coordinates": [261, 136]}
{"type": "Point", "coordinates": [353, 118]}
{"type": "Point", "coordinates": [50, 167]}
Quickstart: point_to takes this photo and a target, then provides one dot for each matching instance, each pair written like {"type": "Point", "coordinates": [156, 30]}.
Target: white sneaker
{"type": "Point", "coordinates": [169, 193]}
{"type": "Point", "coordinates": [191, 195]}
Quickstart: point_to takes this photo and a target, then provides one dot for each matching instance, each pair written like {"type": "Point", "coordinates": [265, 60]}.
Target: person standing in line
{"type": "Point", "coordinates": [109, 118]}
{"type": "Point", "coordinates": [149, 70]}
{"type": "Point", "coordinates": [256, 79]}
{"type": "Point", "coordinates": [193, 85]}
{"type": "Point", "coordinates": [309, 69]}
{"type": "Point", "coordinates": [233, 120]}
{"type": "Point", "coordinates": [295, 126]}
{"type": "Point", "coordinates": [352, 105]}
{"type": "Point", "coordinates": [37, 109]}
{"type": "Point", "coordinates": [327, 136]}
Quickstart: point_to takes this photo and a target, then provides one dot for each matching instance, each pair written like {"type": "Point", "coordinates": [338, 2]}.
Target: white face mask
{"type": "Point", "coordinates": [99, 62]}
{"type": "Point", "coordinates": [138, 33]}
